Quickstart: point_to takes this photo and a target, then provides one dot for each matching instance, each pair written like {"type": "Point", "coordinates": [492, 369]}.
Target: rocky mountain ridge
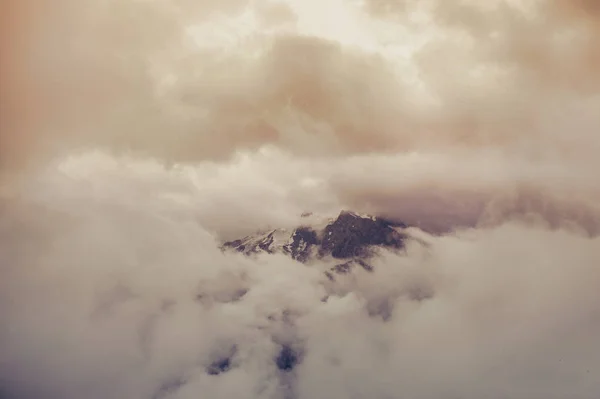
{"type": "Point", "coordinates": [350, 238]}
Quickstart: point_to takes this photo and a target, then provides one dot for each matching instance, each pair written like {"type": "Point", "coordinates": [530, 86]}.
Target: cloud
{"type": "Point", "coordinates": [110, 291]}
{"type": "Point", "coordinates": [456, 74]}
{"type": "Point", "coordinates": [155, 130]}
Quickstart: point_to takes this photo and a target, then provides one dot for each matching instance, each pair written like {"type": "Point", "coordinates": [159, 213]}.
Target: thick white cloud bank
{"type": "Point", "coordinates": [177, 125]}
{"type": "Point", "coordinates": [103, 266]}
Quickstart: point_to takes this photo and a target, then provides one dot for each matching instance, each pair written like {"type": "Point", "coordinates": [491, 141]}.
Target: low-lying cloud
{"type": "Point", "coordinates": [114, 287]}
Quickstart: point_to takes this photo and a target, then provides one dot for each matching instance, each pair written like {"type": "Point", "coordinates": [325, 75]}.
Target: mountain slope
{"type": "Point", "coordinates": [350, 238]}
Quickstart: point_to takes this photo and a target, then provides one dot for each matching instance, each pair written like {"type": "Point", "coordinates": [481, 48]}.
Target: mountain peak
{"type": "Point", "coordinates": [350, 237]}
{"type": "Point", "coordinates": [353, 235]}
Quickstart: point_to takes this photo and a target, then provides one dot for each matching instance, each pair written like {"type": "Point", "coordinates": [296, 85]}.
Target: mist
{"type": "Point", "coordinates": [137, 136]}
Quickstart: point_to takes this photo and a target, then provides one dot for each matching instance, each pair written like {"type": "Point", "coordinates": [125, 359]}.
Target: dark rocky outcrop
{"type": "Point", "coordinates": [222, 361]}
{"type": "Point", "coordinates": [302, 241]}
{"type": "Point", "coordinates": [351, 235]}
{"type": "Point", "coordinates": [288, 358]}
{"type": "Point", "coordinates": [347, 267]}
{"type": "Point", "coordinates": [219, 366]}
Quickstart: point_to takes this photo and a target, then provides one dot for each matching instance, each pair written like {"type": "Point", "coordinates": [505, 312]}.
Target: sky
{"type": "Point", "coordinates": [137, 135]}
